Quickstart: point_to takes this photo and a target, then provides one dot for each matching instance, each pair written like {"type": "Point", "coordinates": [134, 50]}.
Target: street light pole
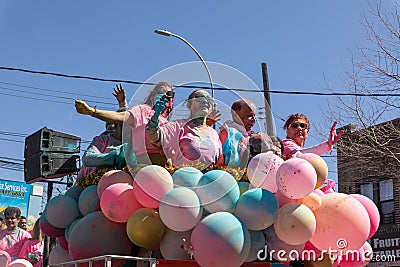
{"type": "Point", "coordinates": [167, 33]}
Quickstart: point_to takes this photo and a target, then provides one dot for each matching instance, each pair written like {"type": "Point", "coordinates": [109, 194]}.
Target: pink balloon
{"type": "Point", "coordinates": [296, 178]}
{"type": "Point", "coordinates": [341, 223]}
{"type": "Point", "coordinates": [4, 258]}
{"type": "Point", "coordinates": [368, 253]}
{"type": "Point", "coordinates": [59, 255]}
{"type": "Point", "coordinates": [20, 263]}
{"type": "Point", "coordinates": [354, 258]}
{"type": "Point", "coordinates": [95, 235]}
{"type": "Point", "coordinates": [312, 201]}
{"type": "Point", "coordinates": [329, 187]}
{"type": "Point", "coordinates": [151, 184]}
{"type": "Point", "coordinates": [118, 202]}
{"type": "Point", "coordinates": [262, 169]}
{"type": "Point", "coordinates": [319, 192]}
{"type": "Point", "coordinates": [310, 252]}
{"type": "Point", "coordinates": [372, 210]}
{"type": "Point", "coordinates": [282, 200]}
{"type": "Point", "coordinates": [319, 165]}
{"type": "Point", "coordinates": [113, 177]}
{"type": "Point", "coordinates": [49, 229]}
{"type": "Point", "coordinates": [62, 241]}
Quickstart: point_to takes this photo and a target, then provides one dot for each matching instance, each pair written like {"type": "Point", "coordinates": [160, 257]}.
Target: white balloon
{"type": "Point", "coordinates": [262, 169]}
{"type": "Point", "coordinates": [180, 209]}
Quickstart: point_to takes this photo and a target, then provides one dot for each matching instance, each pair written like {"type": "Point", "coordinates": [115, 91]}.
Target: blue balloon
{"type": "Point", "coordinates": [186, 177]}
{"type": "Point", "coordinates": [89, 200]}
{"type": "Point", "coordinates": [74, 192]}
{"type": "Point", "coordinates": [218, 191]}
{"type": "Point", "coordinates": [257, 244]}
{"type": "Point", "coordinates": [61, 211]}
{"type": "Point", "coordinates": [220, 239]}
{"type": "Point", "coordinates": [257, 208]}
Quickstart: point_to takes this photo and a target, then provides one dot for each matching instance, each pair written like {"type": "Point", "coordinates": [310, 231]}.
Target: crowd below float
{"type": "Point", "coordinates": [181, 190]}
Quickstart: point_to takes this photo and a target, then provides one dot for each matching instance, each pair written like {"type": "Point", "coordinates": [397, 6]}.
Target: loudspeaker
{"type": "Point", "coordinates": [46, 140]}
{"type": "Point", "coordinates": [45, 165]}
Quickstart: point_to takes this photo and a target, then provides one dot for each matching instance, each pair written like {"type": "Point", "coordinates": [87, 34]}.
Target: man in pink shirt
{"type": "Point", "coordinates": [13, 238]}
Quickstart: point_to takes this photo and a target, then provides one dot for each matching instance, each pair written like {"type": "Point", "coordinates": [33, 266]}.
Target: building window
{"type": "Point", "coordinates": [382, 194]}
{"type": "Point", "coordinates": [367, 190]}
{"type": "Point", "coordinates": [386, 201]}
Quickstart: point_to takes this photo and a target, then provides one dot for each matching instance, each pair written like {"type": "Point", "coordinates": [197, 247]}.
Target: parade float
{"type": "Point", "coordinates": [272, 211]}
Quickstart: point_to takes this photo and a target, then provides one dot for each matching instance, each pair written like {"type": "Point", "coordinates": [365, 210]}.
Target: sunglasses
{"type": "Point", "coordinates": [168, 95]}
{"type": "Point", "coordinates": [302, 125]}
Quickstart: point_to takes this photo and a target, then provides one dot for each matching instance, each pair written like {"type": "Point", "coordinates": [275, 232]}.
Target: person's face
{"type": "Point", "coordinates": [110, 126]}
{"type": "Point", "coordinates": [158, 96]}
{"type": "Point", "coordinates": [247, 116]}
{"type": "Point", "coordinates": [11, 221]}
{"type": "Point", "coordinates": [199, 106]}
{"type": "Point", "coordinates": [22, 224]}
{"type": "Point", "coordinates": [298, 131]}
{"type": "Point", "coordinates": [117, 134]}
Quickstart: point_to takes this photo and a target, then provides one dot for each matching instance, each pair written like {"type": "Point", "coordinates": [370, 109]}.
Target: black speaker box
{"type": "Point", "coordinates": [46, 140]}
{"type": "Point", "coordinates": [46, 165]}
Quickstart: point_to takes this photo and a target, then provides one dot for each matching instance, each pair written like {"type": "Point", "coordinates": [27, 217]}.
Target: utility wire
{"type": "Point", "coordinates": [14, 159]}
{"type": "Point", "coordinates": [195, 87]}
{"type": "Point", "coordinates": [24, 136]}
{"type": "Point", "coordinates": [52, 90]}
{"type": "Point", "coordinates": [35, 93]}
{"type": "Point", "coordinates": [10, 140]}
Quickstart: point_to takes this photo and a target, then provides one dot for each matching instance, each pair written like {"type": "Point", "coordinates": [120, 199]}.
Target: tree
{"type": "Point", "coordinates": [373, 81]}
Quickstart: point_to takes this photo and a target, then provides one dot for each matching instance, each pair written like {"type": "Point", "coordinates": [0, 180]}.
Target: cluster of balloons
{"type": "Point", "coordinates": [211, 216]}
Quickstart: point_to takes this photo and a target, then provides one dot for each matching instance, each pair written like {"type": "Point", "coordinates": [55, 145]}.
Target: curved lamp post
{"type": "Point", "coordinates": [167, 33]}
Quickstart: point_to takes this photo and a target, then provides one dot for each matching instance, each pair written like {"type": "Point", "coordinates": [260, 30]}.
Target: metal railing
{"type": "Point", "coordinates": [107, 260]}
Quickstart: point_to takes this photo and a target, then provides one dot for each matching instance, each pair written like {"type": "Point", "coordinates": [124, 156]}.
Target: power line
{"type": "Point", "coordinates": [52, 90]}
{"type": "Point", "coordinates": [24, 136]}
{"type": "Point", "coordinates": [10, 165]}
{"type": "Point", "coordinates": [47, 95]}
{"type": "Point", "coordinates": [196, 87]}
{"type": "Point", "coordinates": [11, 140]}
{"type": "Point", "coordinates": [14, 159]}
{"type": "Point", "coordinates": [35, 93]}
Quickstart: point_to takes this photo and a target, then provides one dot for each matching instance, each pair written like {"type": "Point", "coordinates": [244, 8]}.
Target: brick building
{"type": "Point", "coordinates": [368, 163]}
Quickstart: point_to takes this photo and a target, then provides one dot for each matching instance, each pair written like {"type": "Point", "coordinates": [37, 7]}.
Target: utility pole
{"type": "Point", "coordinates": [267, 100]}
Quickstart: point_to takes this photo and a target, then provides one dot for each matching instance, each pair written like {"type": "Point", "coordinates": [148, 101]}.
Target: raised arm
{"type": "Point", "coordinates": [333, 136]}
{"type": "Point", "coordinates": [153, 131]}
{"type": "Point", "coordinates": [119, 94]}
{"type": "Point", "coordinates": [104, 115]}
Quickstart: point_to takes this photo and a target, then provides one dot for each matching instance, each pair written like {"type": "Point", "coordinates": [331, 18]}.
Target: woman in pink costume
{"type": "Point", "coordinates": [32, 250]}
{"type": "Point", "coordinates": [297, 127]}
{"type": "Point", "coordinates": [136, 119]}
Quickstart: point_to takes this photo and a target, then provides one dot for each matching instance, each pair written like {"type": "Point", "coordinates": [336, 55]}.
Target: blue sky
{"type": "Point", "coordinates": [302, 42]}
